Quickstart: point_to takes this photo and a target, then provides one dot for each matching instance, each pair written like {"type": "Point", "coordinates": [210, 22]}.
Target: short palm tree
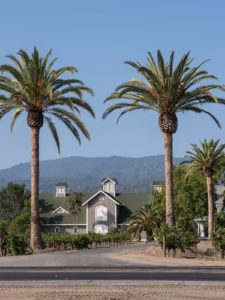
{"type": "Point", "coordinates": [208, 158]}
{"type": "Point", "coordinates": [143, 219]}
{"type": "Point", "coordinates": [33, 85]}
{"type": "Point", "coordinates": [168, 90]}
{"type": "Point", "coordinates": [75, 202]}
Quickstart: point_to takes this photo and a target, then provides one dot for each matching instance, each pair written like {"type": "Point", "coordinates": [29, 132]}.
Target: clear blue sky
{"type": "Point", "coordinates": [97, 37]}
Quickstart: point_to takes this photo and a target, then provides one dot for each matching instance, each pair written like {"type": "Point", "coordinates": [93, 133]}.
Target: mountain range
{"type": "Point", "coordinates": [84, 174]}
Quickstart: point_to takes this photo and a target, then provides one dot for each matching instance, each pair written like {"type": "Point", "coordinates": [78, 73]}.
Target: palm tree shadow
{"type": "Point", "coordinates": [45, 210]}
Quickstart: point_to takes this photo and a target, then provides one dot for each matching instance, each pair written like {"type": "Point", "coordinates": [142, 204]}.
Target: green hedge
{"type": "Point", "coordinates": [84, 241]}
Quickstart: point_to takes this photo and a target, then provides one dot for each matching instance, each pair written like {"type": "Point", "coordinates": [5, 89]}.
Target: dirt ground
{"type": "Point", "coordinates": [204, 256]}
{"type": "Point", "coordinates": [106, 291]}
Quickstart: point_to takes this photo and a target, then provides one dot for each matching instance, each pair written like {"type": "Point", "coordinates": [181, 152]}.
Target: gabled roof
{"type": "Point", "coordinates": [109, 178]}
{"type": "Point", "coordinates": [60, 208]}
{"type": "Point", "coordinates": [49, 202]}
{"type": "Point", "coordinates": [104, 193]}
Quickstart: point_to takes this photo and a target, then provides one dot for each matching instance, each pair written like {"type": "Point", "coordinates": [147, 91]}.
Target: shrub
{"type": "Point", "coordinates": [81, 241]}
{"type": "Point", "coordinates": [218, 240]}
{"type": "Point", "coordinates": [177, 237]}
{"type": "Point", "coordinates": [17, 244]}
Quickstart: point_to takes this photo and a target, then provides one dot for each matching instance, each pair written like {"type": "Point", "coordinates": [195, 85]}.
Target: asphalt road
{"type": "Point", "coordinates": [113, 273]}
{"type": "Point", "coordinates": [99, 264]}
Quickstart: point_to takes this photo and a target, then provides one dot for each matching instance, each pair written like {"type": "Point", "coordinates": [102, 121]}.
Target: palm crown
{"type": "Point", "coordinates": [33, 85]}
{"type": "Point", "coordinates": [144, 219]}
{"type": "Point", "coordinates": [167, 89]}
{"type": "Point", "coordinates": [206, 158]}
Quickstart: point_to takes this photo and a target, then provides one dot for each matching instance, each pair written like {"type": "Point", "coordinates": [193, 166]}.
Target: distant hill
{"type": "Point", "coordinates": [85, 174]}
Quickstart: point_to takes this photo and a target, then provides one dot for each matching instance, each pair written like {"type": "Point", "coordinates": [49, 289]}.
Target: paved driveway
{"type": "Point", "coordinates": [100, 257]}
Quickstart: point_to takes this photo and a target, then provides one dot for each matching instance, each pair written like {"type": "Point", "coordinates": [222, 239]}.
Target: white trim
{"type": "Point", "coordinates": [87, 219]}
{"type": "Point", "coordinates": [60, 207]}
{"type": "Point", "coordinates": [115, 216]}
{"type": "Point", "coordinates": [108, 178]}
{"type": "Point", "coordinates": [63, 224]}
{"type": "Point", "coordinates": [101, 191]}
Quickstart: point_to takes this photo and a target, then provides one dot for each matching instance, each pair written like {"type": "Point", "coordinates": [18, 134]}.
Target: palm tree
{"type": "Point", "coordinates": [75, 201]}
{"type": "Point", "coordinates": [167, 89]}
{"type": "Point", "coordinates": [143, 219]}
{"type": "Point", "coordinates": [31, 84]}
{"type": "Point", "coordinates": [208, 158]}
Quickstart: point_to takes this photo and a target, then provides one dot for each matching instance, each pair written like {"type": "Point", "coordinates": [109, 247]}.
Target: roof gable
{"type": "Point", "coordinates": [104, 193]}
{"type": "Point", "coordinates": [60, 210]}
{"type": "Point", "coordinates": [109, 179]}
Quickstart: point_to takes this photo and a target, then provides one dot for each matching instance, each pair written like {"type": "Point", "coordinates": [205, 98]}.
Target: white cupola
{"type": "Point", "coordinates": [61, 188]}
{"type": "Point", "coordinates": [109, 186]}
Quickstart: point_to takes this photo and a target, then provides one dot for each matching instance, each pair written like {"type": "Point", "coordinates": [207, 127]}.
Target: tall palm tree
{"type": "Point", "coordinates": [33, 85]}
{"type": "Point", "coordinates": [208, 158]}
{"type": "Point", "coordinates": [167, 89]}
{"type": "Point", "coordinates": [75, 202]}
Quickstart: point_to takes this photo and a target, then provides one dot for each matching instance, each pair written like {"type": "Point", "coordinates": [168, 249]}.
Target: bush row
{"type": "Point", "coordinates": [83, 241]}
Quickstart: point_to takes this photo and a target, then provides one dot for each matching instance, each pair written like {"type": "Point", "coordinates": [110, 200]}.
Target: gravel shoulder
{"type": "Point", "coordinates": [112, 291]}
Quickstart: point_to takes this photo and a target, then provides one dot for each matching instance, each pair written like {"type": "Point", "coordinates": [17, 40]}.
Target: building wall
{"type": "Point", "coordinates": [64, 228]}
{"type": "Point", "coordinates": [107, 202]}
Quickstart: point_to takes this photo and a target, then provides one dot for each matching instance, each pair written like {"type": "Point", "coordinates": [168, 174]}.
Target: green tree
{"type": "Point", "coordinates": [168, 90]}
{"type": "Point", "coordinates": [190, 196]}
{"type": "Point", "coordinates": [14, 198]}
{"type": "Point", "coordinates": [207, 158]}
{"type": "Point", "coordinates": [75, 202]}
{"type": "Point", "coordinates": [33, 85]}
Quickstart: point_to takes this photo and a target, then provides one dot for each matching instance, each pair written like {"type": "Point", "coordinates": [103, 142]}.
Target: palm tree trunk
{"type": "Point", "coordinates": [35, 232]}
{"type": "Point", "coordinates": [168, 153]}
{"type": "Point", "coordinates": [210, 206]}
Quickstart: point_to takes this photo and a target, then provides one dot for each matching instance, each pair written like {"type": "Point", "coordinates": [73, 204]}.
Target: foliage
{"type": "Point", "coordinates": [83, 241]}
{"type": "Point", "coordinates": [220, 220]}
{"type": "Point", "coordinates": [190, 196]}
{"type": "Point", "coordinates": [218, 240]}
{"type": "Point", "coordinates": [167, 88]}
{"type": "Point", "coordinates": [75, 202]}
{"type": "Point", "coordinates": [31, 83]}
{"type": "Point", "coordinates": [218, 237]}
{"type": "Point", "coordinates": [190, 203]}
{"type": "Point", "coordinates": [208, 158]}
{"type": "Point", "coordinates": [14, 199]}
{"type": "Point", "coordinates": [17, 243]}
{"type": "Point", "coordinates": [181, 236]}
{"type": "Point", "coordinates": [21, 224]}
{"type": "Point", "coordinates": [143, 219]}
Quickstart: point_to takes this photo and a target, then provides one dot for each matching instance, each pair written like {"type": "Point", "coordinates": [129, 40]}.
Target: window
{"type": "Point", "coordinates": [103, 229]}
{"type": "Point", "coordinates": [57, 229]}
{"type": "Point", "coordinates": [100, 213]}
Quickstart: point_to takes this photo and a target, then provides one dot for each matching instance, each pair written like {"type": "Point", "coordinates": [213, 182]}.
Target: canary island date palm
{"type": "Point", "coordinates": [32, 84]}
{"type": "Point", "coordinates": [208, 158]}
{"type": "Point", "coordinates": [75, 202]}
{"type": "Point", "coordinates": [143, 219]}
{"type": "Point", "coordinates": [167, 89]}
